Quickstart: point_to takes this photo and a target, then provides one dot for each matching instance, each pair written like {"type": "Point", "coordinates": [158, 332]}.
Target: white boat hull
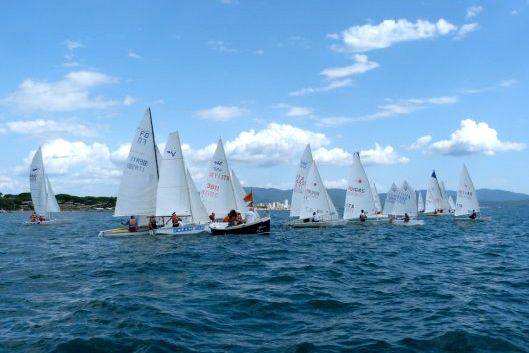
{"type": "Point", "coordinates": [124, 232]}
{"type": "Point", "coordinates": [320, 224]}
{"type": "Point", "coordinates": [185, 229]}
{"type": "Point", "coordinates": [411, 222]}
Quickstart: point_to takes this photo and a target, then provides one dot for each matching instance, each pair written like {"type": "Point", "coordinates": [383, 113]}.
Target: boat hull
{"type": "Point", "coordinates": [321, 224]}
{"type": "Point", "coordinates": [186, 229]}
{"type": "Point", "coordinates": [124, 232]}
{"type": "Point", "coordinates": [260, 226]}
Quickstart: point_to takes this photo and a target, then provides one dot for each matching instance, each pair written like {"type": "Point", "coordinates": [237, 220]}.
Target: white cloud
{"type": "Point", "coordinates": [388, 32]}
{"type": "Point", "coordinates": [473, 11]}
{"type": "Point", "coordinates": [294, 111]}
{"type": "Point", "coordinates": [332, 156]}
{"type": "Point", "coordinates": [382, 155]}
{"type": "Point", "coordinates": [331, 86]}
{"type": "Point", "coordinates": [474, 137]}
{"type": "Point", "coordinates": [72, 44]}
{"type": "Point", "coordinates": [466, 29]}
{"type": "Point", "coordinates": [391, 109]}
{"type": "Point", "coordinates": [69, 57]}
{"type": "Point", "coordinates": [220, 46]}
{"type": "Point", "coordinates": [47, 127]}
{"type": "Point", "coordinates": [70, 93]}
{"type": "Point", "coordinates": [221, 113]}
{"type": "Point", "coordinates": [129, 100]}
{"type": "Point", "coordinates": [8, 184]}
{"type": "Point", "coordinates": [507, 83]}
{"type": "Point", "coordinates": [134, 55]}
{"type": "Point", "coordinates": [361, 65]}
{"type": "Point", "coordinates": [420, 142]}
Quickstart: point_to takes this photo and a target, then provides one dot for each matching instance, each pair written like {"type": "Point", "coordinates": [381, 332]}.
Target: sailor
{"type": "Point", "coordinates": [315, 217]}
{"type": "Point", "coordinates": [406, 218]}
{"type": "Point", "coordinates": [232, 218]}
{"type": "Point", "coordinates": [33, 218]}
{"type": "Point", "coordinates": [250, 216]}
{"type": "Point", "coordinates": [363, 216]}
{"type": "Point", "coordinates": [239, 219]}
{"type": "Point", "coordinates": [133, 227]}
{"type": "Point", "coordinates": [212, 217]}
{"type": "Point", "coordinates": [473, 215]}
{"type": "Point", "coordinates": [152, 223]}
{"type": "Point", "coordinates": [175, 220]}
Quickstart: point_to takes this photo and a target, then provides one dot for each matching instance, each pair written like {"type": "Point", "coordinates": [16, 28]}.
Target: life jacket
{"type": "Point", "coordinates": [132, 222]}
{"type": "Point", "coordinates": [226, 219]}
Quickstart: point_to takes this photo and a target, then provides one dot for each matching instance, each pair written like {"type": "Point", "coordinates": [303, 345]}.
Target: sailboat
{"type": "Point", "coordinates": [444, 194]}
{"type": "Point", "coordinates": [220, 198]}
{"type": "Point", "coordinates": [466, 200]}
{"type": "Point", "coordinates": [317, 209]}
{"type": "Point", "coordinates": [420, 203]}
{"type": "Point", "coordinates": [452, 204]}
{"type": "Point", "coordinates": [405, 204]}
{"type": "Point", "coordinates": [390, 199]}
{"type": "Point", "coordinates": [139, 182]}
{"type": "Point", "coordinates": [42, 196]}
{"type": "Point", "coordinates": [176, 193]}
{"type": "Point", "coordinates": [376, 200]}
{"type": "Point", "coordinates": [358, 197]}
{"type": "Point", "coordinates": [434, 198]}
{"type": "Point", "coordinates": [298, 192]}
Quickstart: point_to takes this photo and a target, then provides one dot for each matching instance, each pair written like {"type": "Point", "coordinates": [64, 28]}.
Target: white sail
{"type": "Point", "coordinates": [405, 201]}
{"type": "Point", "coordinates": [173, 192]}
{"type": "Point", "coordinates": [316, 199]}
{"type": "Point", "coordinates": [445, 202]}
{"type": "Point", "coordinates": [51, 203]}
{"type": "Point", "coordinates": [434, 199]}
{"type": "Point", "coordinates": [390, 199]}
{"type": "Point", "coordinates": [358, 196]}
{"type": "Point", "coordinates": [420, 203]}
{"type": "Point", "coordinates": [376, 198]}
{"type": "Point", "coordinates": [298, 191]}
{"type": "Point", "coordinates": [218, 193]}
{"type": "Point", "coordinates": [242, 206]}
{"type": "Point", "coordinates": [198, 211]}
{"type": "Point", "coordinates": [451, 203]}
{"type": "Point", "coordinates": [466, 200]}
{"type": "Point", "coordinates": [139, 183]}
{"type": "Point", "coordinates": [37, 183]}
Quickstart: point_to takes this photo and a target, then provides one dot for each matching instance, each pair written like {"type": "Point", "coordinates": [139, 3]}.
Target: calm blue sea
{"type": "Point", "coordinates": [441, 287]}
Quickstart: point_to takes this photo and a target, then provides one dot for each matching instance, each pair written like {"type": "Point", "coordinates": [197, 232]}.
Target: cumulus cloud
{"type": "Point", "coordinates": [70, 93]}
{"type": "Point", "coordinates": [47, 127]}
{"type": "Point", "coordinates": [388, 32]}
{"type": "Point", "coordinates": [473, 11]}
{"type": "Point", "coordinates": [377, 155]}
{"type": "Point", "coordinates": [466, 29]}
{"type": "Point", "coordinates": [474, 137]}
{"type": "Point", "coordinates": [420, 142]}
{"type": "Point", "coordinates": [134, 55]}
{"type": "Point", "coordinates": [294, 111]}
{"type": "Point", "coordinates": [331, 86]}
{"type": "Point", "coordinates": [69, 57]}
{"type": "Point", "coordinates": [360, 66]}
{"type": "Point", "coordinates": [221, 113]}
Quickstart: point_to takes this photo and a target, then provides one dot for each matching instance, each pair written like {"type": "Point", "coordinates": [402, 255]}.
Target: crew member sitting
{"type": "Point", "coordinates": [175, 220]}
{"type": "Point", "coordinates": [212, 217]}
{"type": "Point", "coordinates": [315, 217]}
{"type": "Point", "coordinates": [232, 218]}
{"type": "Point", "coordinates": [473, 215]}
{"type": "Point", "coordinates": [239, 219]}
{"type": "Point", "coordinates": [152, 223]}
{"type": "Point", "coordinates": [406, 218]}
{"type": "Point", "coordinates": [363, 216]}
{"type": "Point", "coordinates": [33, 218]}
{"type": "Point", "coordinates": [133, 227]}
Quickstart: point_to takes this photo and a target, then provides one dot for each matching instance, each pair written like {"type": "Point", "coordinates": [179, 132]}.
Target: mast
{"type": "Point", "coordinates": [154, 144]}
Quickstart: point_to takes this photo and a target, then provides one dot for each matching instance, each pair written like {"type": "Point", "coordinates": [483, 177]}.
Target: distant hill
{"type": "Point", "coordinates": [338, 195]}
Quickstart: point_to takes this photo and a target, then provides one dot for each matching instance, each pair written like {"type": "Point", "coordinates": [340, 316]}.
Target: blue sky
{"type": "Point", "coordinates": [413, 85]}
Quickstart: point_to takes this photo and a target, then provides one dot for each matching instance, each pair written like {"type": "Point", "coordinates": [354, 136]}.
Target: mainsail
{"type": "Point", "coordinates": [242, 206]}
{"type": "Point", "coordinates": [445, 202]}
{"type": "Point", "coordinates": [173, 191]}
{"type": "Point", "coordinates": [218, 193]}
{"type": "Point", "coordinates": [420, 203]}
{"type": "Point", "coordinates": [390, 199]}
{"type": "Point", "coordinates": [298, 191]}
{"type": "Point", "coordinates": [434, 199]}
{"type": "Point", "coordinates": [358, 196]}
{"type": "Point", "coordinates": [376, 199]}
{"type": "Point", "coordinates": [137, 190]}
{"type": "Point", "coordinates": [451, 203]}
{"type": "Point", "coordinates": [316, 199]}
{"type": "Point", "coordinates": [467, 200]}
{"type": "Point", "coordinates": [405, 201]}
{"type": "Point", "coordinates": [42, 195]}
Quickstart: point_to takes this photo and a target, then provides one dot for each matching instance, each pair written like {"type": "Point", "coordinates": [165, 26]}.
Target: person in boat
{"type": "Point", "coordinates": [473, 215]}
{"type": "Point", "coordinates": [363, 216]}
{"type": "Point", "coordinates": [175, 220]}
{"type": "Point", "coordinates": [33, 218]}
{"type": "Point", "coordinates": [212, 217]}
{"type": "Point", "coordinates": [152, 223]}
{"type": "Point", "coordinates": [250, 216]}
{"type": "Point", "coordinates": [406, 218]}
{"type": "Point", "coordinates": [315, 217]}
{"type": "Point", "coordinates": [239, 220]}
{"type": "Point", "coordinates": [232, 218]}
{"type": "Point", "coordinates": [133, 226]}
{"type": "Point", "coordinates": [41, 218]}
{"type": "Point", "coordinates": [391, 218]}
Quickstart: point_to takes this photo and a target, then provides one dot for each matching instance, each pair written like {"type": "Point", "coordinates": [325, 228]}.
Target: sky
{"type": "Point", "coordinates": [412, 85]}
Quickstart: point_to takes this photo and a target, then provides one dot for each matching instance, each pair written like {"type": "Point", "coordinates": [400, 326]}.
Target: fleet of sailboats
{"type": "Point", "coordinates": [156, 189]}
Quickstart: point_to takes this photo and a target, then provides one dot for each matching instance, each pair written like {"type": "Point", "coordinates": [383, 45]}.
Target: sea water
{"type": "Point", "coordinates": [441, 287]}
